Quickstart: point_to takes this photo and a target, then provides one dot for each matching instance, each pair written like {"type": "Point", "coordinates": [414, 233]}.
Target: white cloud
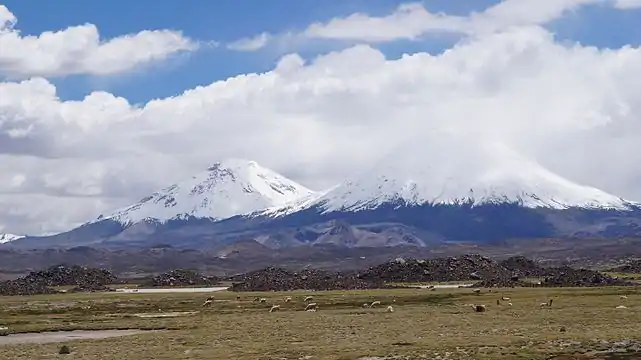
{"type": "Point", "coordinates": [7, 19]}
{"type": "Point", "coordinates": [250, 44]}
{"type": "Point", "coordinates": [412, 21]}
{"type": "Point", "coordinates": [575, 109]}
{"type": "Point", "coordinates": [79, 50]}
{"type": "Point", "coordinates": [627, 4]}
{"type": "Point", "coordinates": [409, 21]}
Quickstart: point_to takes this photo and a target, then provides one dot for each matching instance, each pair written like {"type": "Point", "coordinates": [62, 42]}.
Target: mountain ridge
{"type": "Point", "coordinates": [227, 188]}
{"type": "Point", "coordinates": [6, 238]}
{"type": "Point", "coordinates": [489, 196]}
{"type": "Point", "coordinates": [497, 179]}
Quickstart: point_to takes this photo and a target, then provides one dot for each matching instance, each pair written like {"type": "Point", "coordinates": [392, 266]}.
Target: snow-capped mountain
{"type": "Point", "coordinates": [490, 173]}
{"type": "Point", "coordinates": [5, 238]}
{"type": "Point", "coordinates": [478, 192]}
{"type": "Point", "coordinates": [226, 189]}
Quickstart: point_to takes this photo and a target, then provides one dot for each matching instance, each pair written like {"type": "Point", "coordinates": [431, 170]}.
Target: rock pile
{"type": "Point", "coordinates": [569, 277]}
{"type": "Point", "coordinates": [182, 277]}
{"type": "Point", "coordinates": [632, 267]}
{"type": "Point", "coordinates": [502, 283]}
{"type": "Point", "coordinates": [520, 266]}
{"type": "Point", "coordinates": [23, 287]}
{"type": "Point", "coordinates": [90, 288]}
{"type": "Point", "coordinates": [81, 276]}
{"type": "Point", "coordinates": [485, 272]}
{"type": "Point", "coordinates": [466, 267]}
{"type": "Point", "coordinates": [277, 279]}
{"type": "Point", "coordinates": [41, 282]}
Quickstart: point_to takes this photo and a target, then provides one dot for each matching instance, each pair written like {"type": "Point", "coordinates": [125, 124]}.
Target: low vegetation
{"type": "Point", "coordinates": [424, 324]}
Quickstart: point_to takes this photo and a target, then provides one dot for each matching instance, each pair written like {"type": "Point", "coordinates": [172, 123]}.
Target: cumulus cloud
{"type": "Point", "coordinates": [7, 19]}
{"type": "Point", "coordinates": [79, 50]}
{"type": "Point", "coordinates": [573, 108]}
{"type": "Point", "coordinates": [412, 21]}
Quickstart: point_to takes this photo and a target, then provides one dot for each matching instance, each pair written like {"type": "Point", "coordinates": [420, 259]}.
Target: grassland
{"type": "Point", "coordinates": [425, 324]}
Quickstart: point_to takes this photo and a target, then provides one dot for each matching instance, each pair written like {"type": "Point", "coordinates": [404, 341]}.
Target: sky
{"type": "Point", "coordinates": [104, 102]}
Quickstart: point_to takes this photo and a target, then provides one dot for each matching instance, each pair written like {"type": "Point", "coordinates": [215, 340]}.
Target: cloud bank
{"type": "Point", "coordinates": [79, 50]}
{"type": "Point", "coordinates": [575, 109]}
{"type": "Point", "coordinates": [413, 21]}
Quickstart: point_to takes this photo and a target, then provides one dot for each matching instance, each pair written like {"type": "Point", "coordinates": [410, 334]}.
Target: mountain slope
{"type": "Point", "coordinates": [6, 238]}
{"type": "Point", "coordinates": [226, 189]}
{"type": "Point", "coordinates": [458, 191]}
{"type": "Point", "coordinates": [468, 190]}
{"type": "Point", "coordinates": [183, 212]}
{"type": "Point", "coordinates": [489, 173]}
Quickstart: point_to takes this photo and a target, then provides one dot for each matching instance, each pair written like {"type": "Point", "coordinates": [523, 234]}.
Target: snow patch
{"type": "Point", "coordinates": [476, 174]}
{"type": "Point", "coordinates": [6, 238]}
{"type": "Point", "coordinates": [228, 188]}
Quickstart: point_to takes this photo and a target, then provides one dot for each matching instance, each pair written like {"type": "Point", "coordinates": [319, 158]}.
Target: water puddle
{"type": "Point", "coordinates": [606, 356]}
{"type": "Point", "coordinates": [445, 286]}
{"type": "Point", "coordinates": [60, 336]}
{"type": "Point", "coordinates": [166, 315]}
{"type": "Point", "coordinates": [171, 290]}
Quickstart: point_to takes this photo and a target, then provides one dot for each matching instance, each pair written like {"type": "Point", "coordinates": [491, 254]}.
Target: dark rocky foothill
{"type": "Point", "coordinates": [487, 273]}
{"type": "Point", "coordinates": [558, 277]}
{"type": "Point", "coordinates": [466, 267]}
{"type": "Point", "coordinates": [502, 283]}
{"type": "Point", "coordinates": [41, 282]}
{"type": "Point", "coordinates": [81, 276]}
{"type": "Point", "coordinates": [522, 267]}
{"type": "Point", "coordinates": [481, 270]}
{"type": "Point", "coordinates": [24, 287]}
{"type": "Point", "coordinates": [632, 267]}
{"type": "Point", "coordinates": [182, 277]}
{"type": "Point", "coordinates": [570, 277]}
{"type": "Point", "coordinates": [277, 279]}
{"type": "Point", "coordinates": [90, 288]}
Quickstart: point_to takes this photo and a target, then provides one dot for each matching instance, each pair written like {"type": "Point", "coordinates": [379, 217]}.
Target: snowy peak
{"type": "Point", "coordinates": [474, 173]}
{"type": "Point", "coordinates": [488, 173]}
{"type": "Point", "coordinates": [226, 189]}
{"type": "Point", "coordinates": [5, 238]}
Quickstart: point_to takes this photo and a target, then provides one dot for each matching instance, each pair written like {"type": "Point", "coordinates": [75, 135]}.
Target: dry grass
{"type": "Point", "coordinates": [424, 323]}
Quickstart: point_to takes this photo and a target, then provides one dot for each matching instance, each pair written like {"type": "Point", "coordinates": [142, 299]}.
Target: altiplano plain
{"type": "Point", "coordinates": [424, 324]}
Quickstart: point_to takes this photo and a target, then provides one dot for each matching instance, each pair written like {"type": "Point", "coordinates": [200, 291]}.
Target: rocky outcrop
{"type": "Point", "coordinates": [182, 277]}
{"type": "Point", "coordinates": [487, 273]}
{"type": "Point", "coordinates": [91, 288]}
{"type": "Point", "coordinates": [523, 267]}
{"type": "Point", "coordinates": [24, 287]}
{"type": "Point", "coordinates": [466, 267]}
{"type": "Point", "coordinates": [277, 279]}
{"type": "Point", "coordinates": [502, 283]}
{"type": "Point", "coordinates": [41, 282]}
{"type": "Point", "coordinates": [63, 275]}
{"type": "Point", "coordinates": [569, 277]}
{"type": "Point", "coordinates": [632, 267]}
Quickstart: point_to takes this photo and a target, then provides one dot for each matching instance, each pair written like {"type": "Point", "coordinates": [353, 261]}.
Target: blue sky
{"type": "Point", "coordinates": [225, 21]}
